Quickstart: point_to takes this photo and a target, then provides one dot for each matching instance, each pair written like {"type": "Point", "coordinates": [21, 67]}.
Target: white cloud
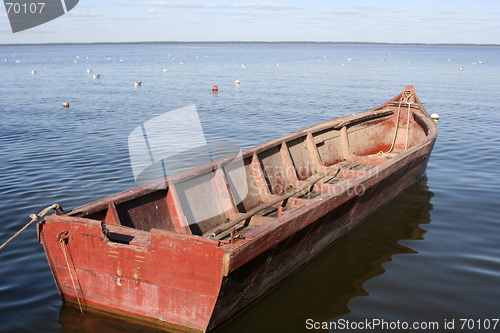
{"type": "Point", "coordinates": [344, 12]}
{"type": "Point", "coordinates": [432, 18]}
{"type": "Point", "coordinates": [85, 14]}
{"type": "Point", "coordinates": [486, 19]}
{"type": "Point", "coordinates": [197, 5]}
{"type": "Point", "coordinates": [246, 16]}
{"type": "Point", "coordinates": [369, 8]}
{"type": "Point", "coordinates": [134, 18]}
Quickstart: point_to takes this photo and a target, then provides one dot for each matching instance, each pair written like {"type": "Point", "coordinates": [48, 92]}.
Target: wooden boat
{"type": "Point", "coordinates": [189, 251]}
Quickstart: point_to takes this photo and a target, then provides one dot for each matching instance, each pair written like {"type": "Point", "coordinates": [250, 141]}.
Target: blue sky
{"type": "Point", "coordinates": [420, 21]}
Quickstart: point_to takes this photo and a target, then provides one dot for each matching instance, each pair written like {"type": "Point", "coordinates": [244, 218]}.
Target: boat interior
{"type": "Point", "coordinates": [230, 197]}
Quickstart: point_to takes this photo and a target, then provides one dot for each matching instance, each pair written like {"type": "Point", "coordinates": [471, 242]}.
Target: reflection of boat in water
{"type": "Point", "coordinates": [195, 249]}
{"type": "Point", "coordinates": [322, 288]}
{"type": "Point", "coordinates": [72, 320]}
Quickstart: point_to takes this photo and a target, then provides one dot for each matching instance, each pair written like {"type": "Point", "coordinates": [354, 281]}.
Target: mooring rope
{"type": "Point", "coordinates": [405, 98]}
{"type": "Point", "coordinates": [396, 130]}
{"type": "Point", "coordinates": [34, 218]}
{"type": "Point", "coordinates": [61, 241]}
{"type": "Point", "coordinates": [407, 126]}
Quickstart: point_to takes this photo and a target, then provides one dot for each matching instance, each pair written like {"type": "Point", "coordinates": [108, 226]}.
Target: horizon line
{"type": "Point", "coordinates": [242, 42]}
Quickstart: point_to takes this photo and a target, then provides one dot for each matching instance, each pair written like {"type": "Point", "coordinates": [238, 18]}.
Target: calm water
{"type": "Point", "coordinates": [432, 254]}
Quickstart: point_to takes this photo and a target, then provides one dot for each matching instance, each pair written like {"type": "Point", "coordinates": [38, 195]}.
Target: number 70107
{"type": "Point", "coordinates": [32, 8]}
{"type": "Point", "coordinates": [476, 324]}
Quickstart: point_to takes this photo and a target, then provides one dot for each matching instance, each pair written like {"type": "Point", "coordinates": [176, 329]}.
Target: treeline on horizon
{"type": "Point", "coordinates": [244, 42]}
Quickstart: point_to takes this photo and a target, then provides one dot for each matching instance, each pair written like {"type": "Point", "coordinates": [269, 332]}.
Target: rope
{"type": "Point", "coordinates": [212, 233]}
{"type": "Point", "coordinates": [219, 229]}
{"type": "Point", "coordinates": [34, 218]}
{"type": "Point", "coordinates": [405, 98]}
{"type": "Point", "coordinates": [396, 129]}
{"type": "Point", "coordinates": [407, 126]}
{"type": "Point", "coordinates": [61, 240]}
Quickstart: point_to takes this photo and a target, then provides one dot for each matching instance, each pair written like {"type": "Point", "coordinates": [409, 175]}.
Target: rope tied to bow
{"type": "Point", "coordinates": [34, 218]}
{"type": "Point", "coordinates": [406, 95]}
{"type": "Point", "coordinates": [62, 238]}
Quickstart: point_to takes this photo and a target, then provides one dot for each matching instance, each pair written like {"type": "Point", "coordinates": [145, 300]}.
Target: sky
{"type": "Point", "coordinates": [422, 21]}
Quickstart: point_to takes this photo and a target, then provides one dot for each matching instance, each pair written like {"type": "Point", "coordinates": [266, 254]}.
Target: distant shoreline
{"type": "Point", "coordinates": [242, 43]}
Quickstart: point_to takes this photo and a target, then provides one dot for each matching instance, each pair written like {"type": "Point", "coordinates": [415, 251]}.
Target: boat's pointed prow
{"type": "Point", "coordinates": [409, 88]}
{"type": "Point", "coordinates": [408, 95]}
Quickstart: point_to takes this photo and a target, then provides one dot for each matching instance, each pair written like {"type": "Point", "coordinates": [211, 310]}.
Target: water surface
{"type": "Point", "coordinates": [431, 254]}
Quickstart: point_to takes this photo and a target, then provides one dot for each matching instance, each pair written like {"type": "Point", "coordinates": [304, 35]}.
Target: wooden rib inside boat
{"type": "Point", "coordinates": [192, 250]}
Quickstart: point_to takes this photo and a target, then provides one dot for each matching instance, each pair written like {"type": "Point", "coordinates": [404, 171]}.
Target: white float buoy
{"type": "Point", "coordinates": [33, 72]}
{"type": "Point", "coordinates": [165, 70]}
{"type": "Point", "coordinates": [96, 76]}
{"type": "Point", "coordinates": [237, 82]}
{"type": "Point", "coordinates": [243, 65]}
{"type": "Point", "coordinates": [66, 105]}
{"type": "Point", "coordinates": [137, 84]}
{"type": "Point", "coordinates": [461, 68]}
{"type": "Point", "coordinates": [89, 71]}
{"type": "Point", "coordinates": [435, 116]}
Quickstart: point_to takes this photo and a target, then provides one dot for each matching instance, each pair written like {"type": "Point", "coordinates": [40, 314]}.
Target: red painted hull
{"type": "Point", "coordinates": [133, 253]}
